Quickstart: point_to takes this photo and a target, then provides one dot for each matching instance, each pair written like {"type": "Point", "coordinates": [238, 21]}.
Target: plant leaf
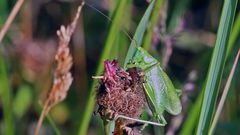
{"type": "Point", "coordinates": [194, 112]}
{"type": "Point", "coordinates": [137, 39]}
{"type": "Point", "coordinates": [152, 23]}
{"type": "Point", "coordinates": [224, 95]}
{"type": "Point", "coordinates": [235, 34]}
{"type": "Point", "coordinates": [5, 96]}
{"type": "Point", "coordinates": [216, 67]}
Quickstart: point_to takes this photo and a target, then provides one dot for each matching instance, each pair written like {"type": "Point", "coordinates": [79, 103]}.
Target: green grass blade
{"type": "Point", "coordinates": [235, 34]}
{"type": "Point", "coordinates": [193, 115]}
{"type": "Point", "coordinates": [22, 101]}
{"type": "Point", "coordinates": [194, 112]}
{"type": "Point", "coordinates": [5, 97]}
{"type": "Point", "coordinates": [49, 118]}
{"type": "Point", "coordinates": [152, 23]}
{"type": "Point", "coordinates": [53, 124]}
{"type": "Point", "coordinates": [216, 66]}
{"type": "Point", "coordinates": [138, 36]}
{"type": "Point", "coordinates": [106, 54]}
{"type": "Point", "coordinates": [3, 11]}
{"type": "Point", "coordinates": [113, 33]}
{"type": "Point", "coordinates": [224, 95]}
{"type": "Point", "coordinates": [179, 8]}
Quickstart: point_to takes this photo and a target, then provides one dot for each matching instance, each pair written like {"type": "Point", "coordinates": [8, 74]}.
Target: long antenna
{"type": "Point", "coordinates": [109, 19]}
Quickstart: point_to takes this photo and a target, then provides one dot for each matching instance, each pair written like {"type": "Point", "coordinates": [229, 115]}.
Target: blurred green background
{"type": "Point", "coordinates": [183, 38]}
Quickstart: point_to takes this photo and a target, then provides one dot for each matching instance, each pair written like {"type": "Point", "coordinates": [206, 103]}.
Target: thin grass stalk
{"type": "Point", "coordinates": [235, 34]}
{"type": "Point", "coordinates": [53, 124]}
{"type": "Point", "coordinates": [5, 90]}
{"type": "Point", "coordinates": [216, 66]}
{"type": "Point", "coordinates": [86, 116]}
{"type": "Point", "coordinates": [193, 115]}
{"type": "Point", "coordinates": [49, 118]}
{"type": "Point", "coordinates": [5, 94]}
{"type": "Point", "coordinates": [124, 40]}
{"type": "Point", "coordinates": [41, 118]}
{"type": "Point", "coordinates": [179, 9]}
{"type": "Point", "coordinates": [10, 19]}
{"type": "Point", "coordinates": [152, 24]}
{"type": "Point", "coordinates": [224, 95]}
{"type": "Point", "coordinates": [3, 11]}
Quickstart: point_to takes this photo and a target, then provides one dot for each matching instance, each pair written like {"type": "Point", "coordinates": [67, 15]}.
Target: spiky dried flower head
{"type": "Point", "coordinates": [121, 92]}
{"type": "Point", "coordinates": [62, 76]}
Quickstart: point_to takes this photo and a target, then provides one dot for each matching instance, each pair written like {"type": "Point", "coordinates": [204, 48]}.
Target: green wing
{"type": "Point", "coordinates": [162, 91]}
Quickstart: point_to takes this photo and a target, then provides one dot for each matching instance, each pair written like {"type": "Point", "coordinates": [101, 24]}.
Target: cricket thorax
{"type": "Point", "coordinates": [121, 91]}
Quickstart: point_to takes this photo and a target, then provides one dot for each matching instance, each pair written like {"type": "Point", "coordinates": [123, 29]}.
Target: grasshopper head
{"type": "Point", "coordinates": [142, 59]}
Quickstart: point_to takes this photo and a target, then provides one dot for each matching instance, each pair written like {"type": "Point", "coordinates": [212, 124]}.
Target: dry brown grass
{"type": "Point", "coordinates": [10, 19]}
{"type": "Point", "coordinates": [62, 76]}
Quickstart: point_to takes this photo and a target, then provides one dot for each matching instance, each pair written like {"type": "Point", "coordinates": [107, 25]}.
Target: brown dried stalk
{"type": "Point", "coordinates": [62, 76]}
{"type": "Point", "coordinates": [10, 18]}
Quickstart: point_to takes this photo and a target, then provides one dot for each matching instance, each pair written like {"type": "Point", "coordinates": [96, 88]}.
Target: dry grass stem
{"type": "Point", "coordinates": [224, 95]}
{"type": "Point", "coordinates": [10, 19]}
{"type": "Point", "coordinates": [62, 76]}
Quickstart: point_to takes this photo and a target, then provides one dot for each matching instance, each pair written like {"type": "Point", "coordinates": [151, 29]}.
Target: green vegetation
{"type": "Point", "coordinates": [196, 43]}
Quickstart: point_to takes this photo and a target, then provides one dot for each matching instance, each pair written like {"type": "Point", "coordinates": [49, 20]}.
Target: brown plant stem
{"type": "Point", "coordinates": [43, 114]}
{"type": "Point", "coordinates": [10, 19]}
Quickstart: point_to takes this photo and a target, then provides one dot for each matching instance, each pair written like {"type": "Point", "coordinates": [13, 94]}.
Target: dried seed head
{"type": "Point", "coordinates": [60, 88]}
{"type": "Point", "coordinates": [121, 91]}
{"type": "Point", "coordinates": [62, 75]}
